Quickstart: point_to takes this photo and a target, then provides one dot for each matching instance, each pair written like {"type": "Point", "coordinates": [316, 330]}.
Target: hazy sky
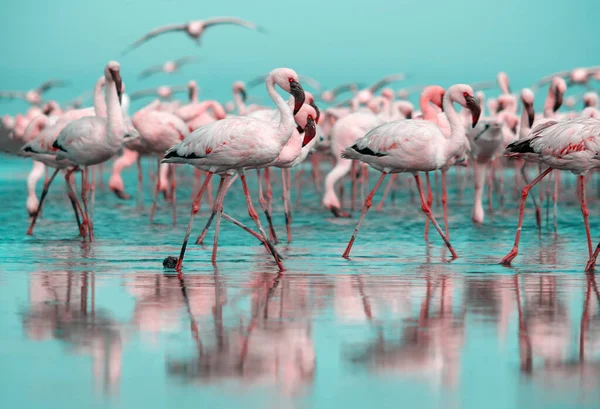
{"type": "Point", "coordinates": [435, 41]}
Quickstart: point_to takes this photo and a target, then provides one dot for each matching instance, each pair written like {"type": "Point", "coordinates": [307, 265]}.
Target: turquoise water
{"type": "Point", "coordinates": [104, 325]}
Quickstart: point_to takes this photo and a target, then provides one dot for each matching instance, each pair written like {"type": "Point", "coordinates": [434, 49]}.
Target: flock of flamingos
{"type": "Point", "coordinates": [374, 126]}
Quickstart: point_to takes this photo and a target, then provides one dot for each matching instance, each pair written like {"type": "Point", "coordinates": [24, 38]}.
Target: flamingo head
{"type": "Point", "coordinates": [406, 108]}
{"type": "Point", "coordinates": [327, 96]}
{"type": "Point", "coordinates": [288, 80]}
{"type": "Point", "coordinates": [558, 87]}
{"type": "Point", "coordinates": [388, 94]}
{"type": "Point", "coordinates": [112, 73]}
{"type": "Point", "coordinates": [527, 98]}
{"type": "Point", "coordinates": [504, 83]}
{"type": "Point", "coordinates": [305, 119]}
{"type": "Point", "coordinates": [590, 99]}
{"type": "Point", "coordinates": [240, 88]}
{"type": "Point", "coordinates": [192, 87]}
{"type": "Point", "coordinates": [463, 94]}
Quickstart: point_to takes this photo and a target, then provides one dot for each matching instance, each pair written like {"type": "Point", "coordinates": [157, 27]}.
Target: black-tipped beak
{"type": "Point", "coordinates": [116, 76]}
{"type": "Point", "coordinates": [310, 131]}
{"type": "Point", "coordinates": [298, 94]}
{"type": "Point", "coordinates": [337, 212]}
{"type": "Point", "coordinates": [530, 114]}
{"type": "Point", "coordinates": [514, 129]}
{"type": "Point", "coordinates": [190, 94]}
{"type": "Point", "coordinates": [500, 107]}
{"type": "Point", "coordinates": [409, 115]}
{"type": "Point", "coordinates": [558, 100]}
{"type": "Point", "coordinates": [587, 104]}
{"type": "Point", "coordinates": [243, 94]}
{"type": "Point", "coordinates": [312, 104]}
{"type": "Point", "coordinates": [474, 107]}
{"type": "Point", "coordinates": [299, 129]}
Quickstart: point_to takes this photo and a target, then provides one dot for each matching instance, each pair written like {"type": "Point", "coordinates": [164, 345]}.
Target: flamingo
{"type": "Point", "coordinates": [564, 145]}
{"type": "Point", "coordinates": [92, 140]}
{"type": "Point", "coordinates": [233, 145]}
{"type": "Point", "coordinates": [168, 67]}
{"type": "Point", "coordinates": [194, 29]}
{"type": "Point", "coordinates": [579, 76]}
{"type": "Point", "coordinates": [34, 96]}
{"type": "Point", "coordinates": [163, 92]}
{"type": "Point", "coordinates": [330, 95]}
{"type": "Point", "coordinates": [414, 146]}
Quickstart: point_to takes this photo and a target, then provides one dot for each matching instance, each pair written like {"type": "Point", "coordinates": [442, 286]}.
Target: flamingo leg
{"type": "Point", "coordinates": [555, 202]}
{"type": "Point", "coordinates": [84, 186]}
{"type": "Point", "coordinates": [140, 187]}
{"type": "Point", "coordinates": [249, 230]}
{"type": "Point", "coordinates": [195, 208]}
{"type": "Point", "coordinates": [212, 215]}
{"type": "Point", "coordinates": [386, 192]}
{"type": "Point", "coordinates": [74, 204]}
{"type": "Point", "coordinates": [93, 199]}
{"type": "Point", "coordinates": [586, 213]}
{"type": "Point", "coordinates": [368, 203]}
{"type": "Point", "coordinates": [174, 193]}
{"type": "Point", "coordinates": [224, 186]}
{"type": "Point", "coordinates": [72, 194]}
{"type": "Point", "coordinates": [316, 174]}
{"type": "Point", "coordinates": [47, 183]}
{"type": "Point", "coordinates": [445, 203]}
{"type": "Point", "coordinates": [427, 210]}
{"type": "Point", "coordinates": [354, 185]}
{"type": "Point", "coordinates": [429, 203]}
{"type": "Point", "coordinates": [524, 193]}
{"type": "Point", "coordinates": [269, 189]}
{"type": "Point", "coordinates": [265, 207]}
{"type": "Point", "coordinates": [155, 200]}
{"type": "Point", "coordinates": [299, 176]}
{"type": "Point", "coordinates": [538, 211]}
{"type": "Point", "coordinates": [254, 216]}
{"type": "Point", "coordinates": [285, 192]}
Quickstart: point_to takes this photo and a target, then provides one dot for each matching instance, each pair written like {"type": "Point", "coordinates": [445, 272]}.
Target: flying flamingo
{"type": "Point", "coordinates": [577, 76]}
{"type": "Point", "coordinates": [414, 146]}
{"type": "Point", "coordinates": [564, 145]}
{"type": "Point", "coordinates": [92, 140]}
{"type": "Point", "coordinates": [194, 29]}
{"type": "Point", "coordinates": [168, 67]}
{"type": "Point", "coordinates": [34, 96]}
{"type": "Point", "coordinates": [163, 92]}
{"type": "Point", "coordinates": [330, 95]}
{"type": "Point", "coordinates": [233, 145]}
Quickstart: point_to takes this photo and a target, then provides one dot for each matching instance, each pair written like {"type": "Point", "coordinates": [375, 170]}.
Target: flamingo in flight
{"type": "Point", "coordinates": [34, 96]}
{"type": "Point", "coordinates": [414, 146]}
{"type": "Point", "coordinates": [168, 67]}
{"type": "Point", "coordinates": [236, 144]}
{"type": "Point", "coordinates": [194, 29]}
{"type": "Point", "coordinates": [563, 145]}
{"type": "Point", "coordinates": [577, 76]}
{"type": "Point", "coordinates": [163, 92]}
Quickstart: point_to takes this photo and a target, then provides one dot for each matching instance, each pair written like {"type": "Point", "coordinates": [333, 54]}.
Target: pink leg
{"type": "Point", "coordinates": [93, 200]}
{"type": "Point", "coordinates": [285, 192]}
{"type": "Point", "coordinates": [249, 230]}
{"type": "Point", "coordinates": [586, 213]}
{"type": "Point", "coordinates": [354, 185]}
{"type": "Point", "coordinates": [84, 188]}
{"type": "Point", "coordinates": [427, 210]}
{"type": "Point", "coordinates": [264, 205]}
{"type": "Point", "coordinates": [368, 203]}
{"type": "Point", "coordinates": [140, 188]}
{"type": "Point", "coordinates": [445, 203]}
{"type": "Point", "coordinates": [212, 215]}
{"type": "Point", "coordinates": [75, 205]}
{"type": "Point", "coordinates": [195, 208]}
{"type": "Point", "coordinates": [555, 203]}
{"type": "Point", "coordinates": [72, 194]}
{"type": "Point", "coordinates": [538, 211]}
{"type": "Point", "coordinates": [386, 192]}
{"type": "Point", "coordinates": [47, 183]}
{"type": "Point", "coordinates": [269, 189]}
{"type": "Point", "coordinates": [219, 206]}
{"type": "Point", "coordinates": [174, 193]}
{"type": "Point", "coordinates": [299, 176]}
{"type": "Point", "coordinates": [429, 203]}
{"type": "Point", "coordinates": [209, 193]}
{"type": "Point", "coordinates": [254, 216]}
{"type": "Point", "coordinates": [437, 189]}
{"type": "Point", "coordinates": [524, 193]}
{"type": "Point", "coordinates": [155, 201]}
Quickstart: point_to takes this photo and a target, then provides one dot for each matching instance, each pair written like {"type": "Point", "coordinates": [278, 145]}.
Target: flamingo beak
{"type": "Point", "coordinates": [310, 131]}
{"type": "Point", "coordinates": [312, 104]}
{"type": "Point", "coordinates": [298, 94]}
{"type": "Point", "coordinates": [500, 107]}
{"type": "Point", "coordinates": [116, 76]}
{"type": "Point", "coordinates": [243, 94]}
{"type": "Point", "coordinates": [514, 129]}
{"type": "Point", "coordinates": [587, 104]}
{"type": "Point", "coordinates": [474, 107]}
{"type": "Point", "coordinates": [530, 114]}
{"type": "Point", "coordinates": [558, 100]}
{"type": "Point", "coordinates": [409, 115]}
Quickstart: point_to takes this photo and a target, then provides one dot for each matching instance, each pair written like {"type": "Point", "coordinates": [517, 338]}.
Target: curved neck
{"type": "Point", "coordinates": [99, 103]}
{"type": "Point", "coordinates": [114, 115]}
{"type": "Point", "coordinates": [194, 94]}
{"type": "Point", "coordinates": [524, 124]}
{"type": "Point", "coordinates": [549, 103]}
{"type": "Point", "coordinates": [286, 121]}
{"type": "Point", "coordinates": [239, 103]}
{"type": "Point", "coordinates": [457, 127]}
{"type": "Point", "coordinates": [427, 110]}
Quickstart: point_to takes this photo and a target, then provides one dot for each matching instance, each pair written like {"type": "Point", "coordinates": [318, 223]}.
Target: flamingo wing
{"type": "Point", "coordinates": [185, 60]}
{"type": "Point", "coordinates": [231, 20]}
{"type": "Point", "coordinates": [548, 79]}
{"type": "Point", "coordinates": [154, 33]}
{"type": "Point", "coordinates": [387, 80]}
{"type": "Point", "coordinates": [12, 95]}
{"type": "Point", "coordinates": [148, 72]}
{"type": "Point", "coordinates": [49, 85]}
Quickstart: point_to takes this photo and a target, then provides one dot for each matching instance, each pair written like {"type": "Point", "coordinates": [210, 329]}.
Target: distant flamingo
{"type": "Point", "coordinates": [564, 145]}
{"type": "Point", "coordinates": [194, 29]}
{"type": "Point", "coordinates": [165, 93]}
{"type": "Point", "coordinates": [168, 67]}
{"type": "Point", "coordinates": [414, 146]}
{"type": "Point", "coordinates": [34, 96]}
{"type": "Point", "coordinates": [233, 145]}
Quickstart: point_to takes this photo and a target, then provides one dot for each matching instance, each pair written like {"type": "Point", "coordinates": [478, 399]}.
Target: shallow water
{"type": "Point", "coordinates": [104, 325]}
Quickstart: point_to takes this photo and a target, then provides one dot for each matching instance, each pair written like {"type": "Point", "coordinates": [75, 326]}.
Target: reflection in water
{"type": "Point", "coordinates": [260, 331]}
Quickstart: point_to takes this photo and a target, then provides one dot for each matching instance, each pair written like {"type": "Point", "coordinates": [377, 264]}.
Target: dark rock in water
{"type": "Point", "coordinates": [170, 262]}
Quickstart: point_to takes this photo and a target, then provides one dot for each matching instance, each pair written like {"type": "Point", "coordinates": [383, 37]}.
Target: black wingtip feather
{"type": "Point", "coordinates": [523, 146]}
{"type": "Point", "coordinates": [173, 154]}
{"type": "Point", "coordinates": [55, 145]}
{"type": "Point", "coordinates": [366, 151]}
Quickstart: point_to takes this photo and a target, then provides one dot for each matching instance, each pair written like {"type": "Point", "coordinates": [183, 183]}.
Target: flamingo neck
{"type": "Point", "coordinates": [457, 127]}
{"type": "Point", "coordinates": [194, 94]}
{"type": "Point", "coordinates": [524, 124]}
{"type": "Point", "coordinates": [99, 103]}
{"type": "Point", "coordinates": [115, 122]}
{"type": "Point", "coordinates": [286, 117]}
{"type": "Point", "coordinates": [429, 113]}
{"type": "Point", "coordinates": [239, 103]}
{"type": "Point", "coordinates": [549, 103]}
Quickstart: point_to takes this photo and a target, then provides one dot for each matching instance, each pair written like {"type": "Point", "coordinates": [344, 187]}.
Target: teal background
{"type": "Point", "coordinates": [435, 41]}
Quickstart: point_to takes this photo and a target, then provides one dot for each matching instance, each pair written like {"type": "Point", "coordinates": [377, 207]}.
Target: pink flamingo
{"type": "Point", "coordinates": [34, 96]}
{"type": "Point", "coordinates": [168, 67]}
{"type": "Point", "coordinates": [92, 140]}
{"type": "Point", "coordinates": [164, 93]}
{"type": "Point", "coordinates": [233, 145]}
{"type": "Point", "coordinates": [577, 76]}
{"type": "Point", "coordinates": [194, 29]}
{"type": "Point", "coordinates": [330, 95]}
{"type": "Point", "coordinates": [564, 145]}
{"type": "Point", "coordinates": [414, 146]}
